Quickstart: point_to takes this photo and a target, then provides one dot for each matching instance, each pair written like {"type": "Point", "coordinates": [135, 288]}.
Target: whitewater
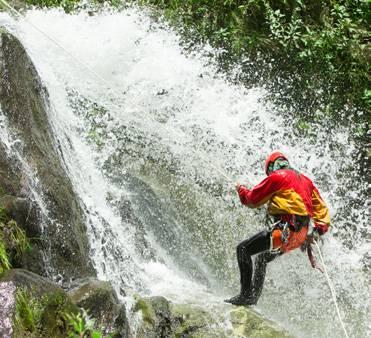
{"type": "Point", "coordinates": [142, 146]}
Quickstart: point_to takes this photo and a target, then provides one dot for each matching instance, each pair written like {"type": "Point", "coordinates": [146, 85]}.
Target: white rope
{"type": "Point", "coordinates": [196, 151]}
{"type": "Point", "coordinates": [332, 289]}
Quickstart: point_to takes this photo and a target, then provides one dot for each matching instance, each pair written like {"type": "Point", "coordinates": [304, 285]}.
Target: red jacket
{"type": "Point", "coordinates": [288, 192]}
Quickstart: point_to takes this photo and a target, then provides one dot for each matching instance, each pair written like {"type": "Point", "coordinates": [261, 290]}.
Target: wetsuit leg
{"type": "Point", "coordinates": [260, 267]}
{"type": "Point", "coordinates": [252, 246]}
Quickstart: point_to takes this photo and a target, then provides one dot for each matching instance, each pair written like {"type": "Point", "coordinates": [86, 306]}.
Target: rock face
{"type": "Point", "coordinates": [161, 318]}
{"type": "Point", "coordinates": [25, 279]}
{"type": "Point", "coordinates": [100, 301]}
{"type": "Point", "coordinates": [24, 102]}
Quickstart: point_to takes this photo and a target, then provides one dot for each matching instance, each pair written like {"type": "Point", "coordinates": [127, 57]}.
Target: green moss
{"type": "Point", "coordinates": [192, 319]}
{"type": "Point", "coordinates": [28, 313]}
{"type": "Point", "coordinates": [148, 313]}
{"type": "Point", "coordinates": [246, 322]}
{"type": "Point", "coordinates": [50, 315]}
{"type": "Point", "coordinates": [4, 259]}
{"type": "Point", "coordinates": [13, 241]}
{"type": "Point", "coordinates": [67, 5]}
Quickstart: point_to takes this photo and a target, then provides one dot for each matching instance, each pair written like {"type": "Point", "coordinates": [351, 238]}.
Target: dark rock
{"type": "Point", "coordinates": [27, 279]}
{"type": "Point", "coordinates": [100, 301]}
{"type": "Point", "coordinates": [24, 101]}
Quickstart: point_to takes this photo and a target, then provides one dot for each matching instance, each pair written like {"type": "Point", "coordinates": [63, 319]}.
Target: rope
{"type": "Point", "coordinates": [106, 82]}
{"type": "Point", "coordinates": [332, 289]}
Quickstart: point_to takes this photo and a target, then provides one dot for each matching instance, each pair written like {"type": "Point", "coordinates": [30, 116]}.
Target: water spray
{"type": "Point", "coordinates": [196, 151]}
{"type": "Point", "coordinates": [107, 83]}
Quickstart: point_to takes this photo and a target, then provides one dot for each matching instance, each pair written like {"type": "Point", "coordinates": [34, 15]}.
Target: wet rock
{"type": "Point", "coordinates": [193, 321]}
{"type": "Point", "coordinates": [100, 301]}
{"type": "Point", "coordinates": [26, 279]}
{"type": "Point", "coordinates": [161, 318]}
{"type": "Point", "coordinates": [24, 102]}
{"type": "Point", "coordinates": [156, 317]}
{"type": "Point", "coordinates": [248, 323]}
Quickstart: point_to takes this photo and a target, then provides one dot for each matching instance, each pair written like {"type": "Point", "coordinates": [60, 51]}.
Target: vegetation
{"type": "Point", "coordinates": [51, 315]}
{"type": "Point", "coordinates": [67, 5]}
{"type": "Point", "coordinates": [13, 241]}
{"type": "Point", "coordinates": [81, 326]}
{"type": "Point", "coordinates": [314, 47]}
{"type": "Point", "coordinates": [312, 55]}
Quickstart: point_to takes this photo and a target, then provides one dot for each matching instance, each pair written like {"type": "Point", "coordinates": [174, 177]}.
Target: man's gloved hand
{"type": "Point", "coordinates": [314, 236]}
{"type": "Point", "coordinates": [320, 227]}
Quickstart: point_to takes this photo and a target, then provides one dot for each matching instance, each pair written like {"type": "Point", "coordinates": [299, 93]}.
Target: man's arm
{"type": "Point", "coordinates": [261, 193]}
{"type": "Point", "coordinates": [321, 214]}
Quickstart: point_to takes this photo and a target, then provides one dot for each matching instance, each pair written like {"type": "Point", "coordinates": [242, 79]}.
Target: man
{"type": "Point", "coordinates": [293, 201]}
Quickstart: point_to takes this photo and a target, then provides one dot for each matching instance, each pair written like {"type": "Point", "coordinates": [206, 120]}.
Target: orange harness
{"type": "Point", "coordinates": [285, 239]}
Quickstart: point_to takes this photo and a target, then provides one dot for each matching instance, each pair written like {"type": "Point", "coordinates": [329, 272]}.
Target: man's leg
{"type": "Point", "coordinates": [260, 267]}
{"type": "Point", "coordinates": [252, 246]}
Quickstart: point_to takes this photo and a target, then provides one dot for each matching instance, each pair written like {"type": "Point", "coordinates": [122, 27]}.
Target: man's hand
{"type": "Point", "coordinates": [237, 186]}
{"type": "Point", "coordinates": [314, 236]}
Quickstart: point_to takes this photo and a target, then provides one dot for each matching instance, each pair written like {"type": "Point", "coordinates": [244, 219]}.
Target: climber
{"type": "Point", "coordinates": [293, 202]}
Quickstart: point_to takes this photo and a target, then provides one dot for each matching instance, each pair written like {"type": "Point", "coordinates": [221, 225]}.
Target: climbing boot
{"type": "Point", "coordinates": [242, 299]}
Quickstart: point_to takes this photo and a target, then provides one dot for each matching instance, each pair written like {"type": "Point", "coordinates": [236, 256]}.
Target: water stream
{"type": "Point", "coordinates": [161, 219]}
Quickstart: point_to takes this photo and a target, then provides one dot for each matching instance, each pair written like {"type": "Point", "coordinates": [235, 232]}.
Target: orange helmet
{"type": "Point", "coordinates": [272, 157]}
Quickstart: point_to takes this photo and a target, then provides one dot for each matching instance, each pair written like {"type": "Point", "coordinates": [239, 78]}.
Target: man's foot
{"type": "Point", "coordinates": [241, 299]}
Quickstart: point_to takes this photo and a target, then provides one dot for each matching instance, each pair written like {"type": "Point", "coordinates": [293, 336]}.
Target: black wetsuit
{"type": "Point", "coordinates": [252, 278]}
{"type": "Point", "coordinates": [251, 286]}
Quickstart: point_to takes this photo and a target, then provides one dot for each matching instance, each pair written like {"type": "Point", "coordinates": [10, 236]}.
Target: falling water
{"type": "Point", "coordinates": [144, 146]}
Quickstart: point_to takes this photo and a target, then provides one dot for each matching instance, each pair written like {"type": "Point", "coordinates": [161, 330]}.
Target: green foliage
{"type": "Point", "coordinates": [50, 315]}
{"type": "Point", "coordinates": [28, 312]}
{"type": "Point", "coordinates": [324, 41]}
{"type": "Point", "coordinates": [67, 5]}
{"type": "Point", "coordinates": [4, 259]}
{"type": "Point", "coordinates": [79, 325]}
{"type": "Point", "coordinates": [13, 241]}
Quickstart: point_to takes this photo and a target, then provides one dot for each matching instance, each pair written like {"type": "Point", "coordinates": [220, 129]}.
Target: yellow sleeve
{"type": "Point", "coordinates": [321, 214]}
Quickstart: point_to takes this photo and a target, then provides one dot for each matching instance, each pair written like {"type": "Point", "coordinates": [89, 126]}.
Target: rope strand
{"type": "Point", "coordinates": [331, 289]}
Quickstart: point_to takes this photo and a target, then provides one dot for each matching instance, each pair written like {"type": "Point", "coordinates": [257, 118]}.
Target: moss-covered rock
{"type": "Point", "coordinates": [193, 321]}
{"type": "Point", "coordinates": [99, 300]}
{"type": "Point", "coordinates": [161, 318]}
{"type": "Point", "coordinates": [24, 102]}
{"type": "Point", "coordinates": [248, 323]}
{"type": "Point", "coordinates": [39, 305]}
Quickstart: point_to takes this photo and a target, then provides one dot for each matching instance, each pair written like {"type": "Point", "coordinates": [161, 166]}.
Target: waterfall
{"type": "Point", "coordinates": [141, 148]}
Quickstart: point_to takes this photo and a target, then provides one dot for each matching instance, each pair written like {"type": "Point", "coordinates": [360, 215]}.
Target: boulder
{"type": "Point", "coordinates": [99, 300]}
{"type": "Point", "coordinates": [248, 323]}
{"type": "Point", "coordinates": [58, 217]}
{"type": "Point", "coordinates": [161, 318]}
{"type": "Point", "coordinates": [26, 279]}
